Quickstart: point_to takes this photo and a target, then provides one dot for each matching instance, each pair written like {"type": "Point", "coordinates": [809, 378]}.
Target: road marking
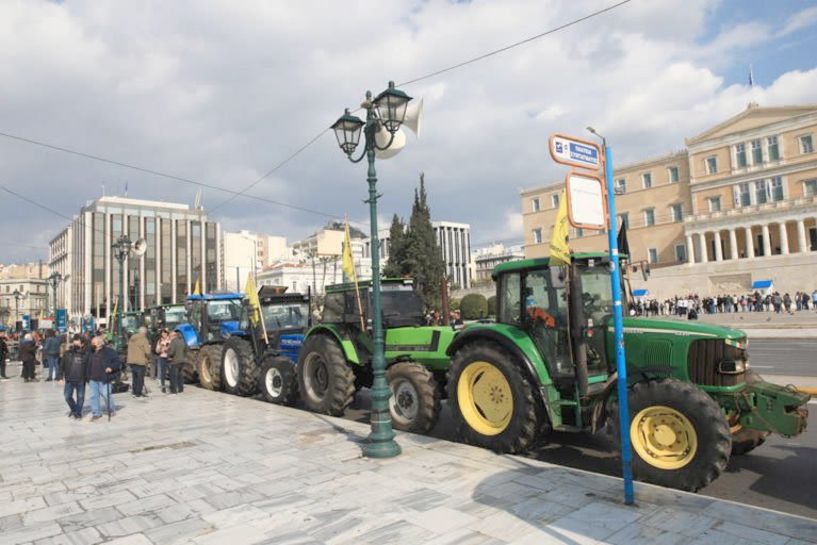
{"type": "Point", "coordinates": [761, 366]}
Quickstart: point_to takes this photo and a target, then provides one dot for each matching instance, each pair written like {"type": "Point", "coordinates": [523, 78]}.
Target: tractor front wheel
{"type": "Point", "coordinates": [208, 364]}
{"type": "Point", "coordinates": [415, 400]}
{"type": "Point", "coordinates": [325, 381]}
{"type": "Point", "coordinates": [679, 435]}
{"type": "Point", "coordinates": [239, 373]}
{"type": "Point", "coordinates": [277, 381]}
{"type": "Point", "coordinates": [492, 400]}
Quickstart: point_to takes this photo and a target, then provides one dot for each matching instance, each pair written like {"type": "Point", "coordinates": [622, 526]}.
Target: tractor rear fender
{"type": "Point", "coordinates": [346, 344]}
{"type": "Point", "coordinates": [519, 345]}
{"type": "Point", "coordinates": [191, 338]}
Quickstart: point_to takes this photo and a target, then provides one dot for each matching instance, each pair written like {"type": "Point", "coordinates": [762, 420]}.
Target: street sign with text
{"type": "Point", "coordinates": [585, 201]}
{"type": "Point", "coordinates": [572, 151]}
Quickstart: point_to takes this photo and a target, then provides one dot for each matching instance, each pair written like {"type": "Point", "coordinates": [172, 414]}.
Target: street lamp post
{"type": "Point", "coordinates": [387, 110]}
{"type": "Point", "coordinates": [122, 248]}
{"type": "Point", "coordinates": [54, 280]}
{"type": "Point", "coordinates": [17, 296]}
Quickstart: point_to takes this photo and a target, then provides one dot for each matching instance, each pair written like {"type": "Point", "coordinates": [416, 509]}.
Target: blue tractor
{"type": "Point", "coordinates": [254, 364]}
{"type": "Point", "coordinates": [212, 319]}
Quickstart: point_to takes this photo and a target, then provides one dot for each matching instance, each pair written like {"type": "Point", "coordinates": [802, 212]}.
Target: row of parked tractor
{"type": "Point", "coordinates": [546, 364]}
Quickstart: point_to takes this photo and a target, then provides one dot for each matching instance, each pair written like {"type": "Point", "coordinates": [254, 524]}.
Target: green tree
{"type": "Point", "coordinates": [423, 260]}
{"type": "Point", "coordinates": [492, 305]}
{"type": "Point", "coordinates": [453, 303]}
{"type": "Point", "coordinates": [397, 267]}
{"type": "Point", "coordinates": [474, 306]}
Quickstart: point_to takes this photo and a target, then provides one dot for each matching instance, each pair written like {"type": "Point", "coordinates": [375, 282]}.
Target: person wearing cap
{"type": "Point", "coordinates": [74, 370]}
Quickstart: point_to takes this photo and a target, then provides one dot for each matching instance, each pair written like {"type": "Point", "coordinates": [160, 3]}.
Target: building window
{"type": "Point", "coordinates": [652, 254]}
{"type": "Point", "coordinates": [579, 232]}
{"type": "Point", "coordinates": [776, 188]}
{"type": "Point", "coordinates": [680, 253]}
{"type": "Point", "coordinates": [537, 236]}
{"type": "Point", "coordinates": [554, 200]}
{"type": "Point", "coordinates": [624, 220]}
{"type": "Point", "coordinates": [677, 213]}
{"type": "Point", "coordinates": [772, 149]}
{"type": "Point", "coordinates": [743, 196]}
{"type": "Point", "coordinates": [673, 175]}
{"type": "Point", "coordinates": [646, 180]}
{"type": "Point", "coordinates": [714, 204]}
{"type": "Point", "coordinates": [712, 165]}
{"type": "Point", "coordinates": [757, 152]}
{"type": "Point", "coordinates": [621, 186]}
{"type": "Point", "coordinates": [806, 144]}
{"type": "Point", "coordinates": [535, 206]}
{"type": "Point", "coordinates": [809, 188]}
{"type": "Point", "coordinates": [649, 217]}
{"type": "Point", "coordinates": [760, 192]}
{"type": "Point", "coordinates": [740, 155]}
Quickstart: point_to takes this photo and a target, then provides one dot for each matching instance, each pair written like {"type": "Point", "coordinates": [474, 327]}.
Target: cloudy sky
{"type": "Point", "coordinates": [220, 92]}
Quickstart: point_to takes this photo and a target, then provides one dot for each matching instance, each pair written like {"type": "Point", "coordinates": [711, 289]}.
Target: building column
{"type": "Point", "coordinates": [784, 238]}
{"type": "Point", "coordinates": [690, 250]}
{"type": "Point", "coordinates": [702, 246]}
{"type": "Point", "coordinates": [718, 246]}
{"type": "Point", "coordinates": [750, 242]}
{"type": "Point", "coordinates": [801, 236]}
{"type": "Point", "coordinates": [733, 244]}
{"type": "Point", "coordinates": [767, 241]}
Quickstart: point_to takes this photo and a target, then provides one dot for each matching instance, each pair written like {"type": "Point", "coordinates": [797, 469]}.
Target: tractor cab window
{"type": "Point", "coordinates": [285, 316]}
{"type": "Point", "coordinates": [401, 305]}
{"type": "Point", "coordinates": [173, 316]}
{"type": "Point", "coordinates": [597, 302]}
{"type": "Point", "coordinates": [510, 302]}
{"type": "Point", "coordinates": [224, 311]}
{"type": "Point", "coordinates": [546, 317]}
{"type": "Point", "coordinates": [195, 315]}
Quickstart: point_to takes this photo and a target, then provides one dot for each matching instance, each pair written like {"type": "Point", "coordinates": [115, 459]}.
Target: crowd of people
{"type": "Point", "coordinates": [86, 363]}
{"type": "Point", "coordinates": [693, 304]}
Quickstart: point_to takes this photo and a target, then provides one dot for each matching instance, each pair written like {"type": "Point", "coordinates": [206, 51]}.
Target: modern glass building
{"type": "Point", "coordinates": [182, 248]}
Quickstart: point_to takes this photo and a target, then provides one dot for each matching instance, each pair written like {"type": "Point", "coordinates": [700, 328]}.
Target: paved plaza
{"type": "Point", "coordinates": [206, 468]}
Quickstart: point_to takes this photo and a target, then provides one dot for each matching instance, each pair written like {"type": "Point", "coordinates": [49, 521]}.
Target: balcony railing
{"type": "Point", "coordinates": [743, 211]}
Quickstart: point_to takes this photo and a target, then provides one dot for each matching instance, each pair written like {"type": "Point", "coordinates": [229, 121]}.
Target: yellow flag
{"type": "Point", "coordinates": [348, 261]}
{"type": "Point", "coordinates": [559, 249]}
{"type": "Point", "coordinates": [255, 304]}
{"type": "Point", "coordinates": [197, 288]}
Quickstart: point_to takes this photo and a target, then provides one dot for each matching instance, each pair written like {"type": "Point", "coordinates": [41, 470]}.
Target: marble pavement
{"type": "Point", "coordinates": [206, 468]}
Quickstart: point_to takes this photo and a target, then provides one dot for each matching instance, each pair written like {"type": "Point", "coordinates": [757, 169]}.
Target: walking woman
{"type": "Point", "coordinates": [28, 354]}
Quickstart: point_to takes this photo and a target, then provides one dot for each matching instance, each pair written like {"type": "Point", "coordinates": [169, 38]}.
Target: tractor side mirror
{"type": "Point", "coordinates": [557, 277]}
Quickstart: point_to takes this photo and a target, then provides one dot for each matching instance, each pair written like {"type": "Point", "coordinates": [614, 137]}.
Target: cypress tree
{"type": "Point", "coordinates": [422, 254]}
{"type": "Point", "coordinates": [396, 266]}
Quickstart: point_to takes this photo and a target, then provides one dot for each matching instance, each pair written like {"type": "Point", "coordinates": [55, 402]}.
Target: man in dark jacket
{"type": "Point", "coordinates": [51, 352]}
{"type": "Point", "coordinates": [103, 361]}
{"type": "Point", "coordinates": [28, 355]}
{"type": "Point", "coordinates": [176, 357]}
{"type": "Point", "coordinates": [4, 353]}
{"type": "Point", "coordinates": [74, 370]}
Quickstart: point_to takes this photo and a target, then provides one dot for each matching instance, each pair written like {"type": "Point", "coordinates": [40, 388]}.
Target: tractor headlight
{"type": "Point", "coordinates": [733, 367]}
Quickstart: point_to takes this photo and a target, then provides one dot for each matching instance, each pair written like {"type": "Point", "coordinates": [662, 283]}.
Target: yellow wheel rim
{"type": "Point", "coordinates": [663, 437]}
{"type": "Point", "coordinates": [485, 398]}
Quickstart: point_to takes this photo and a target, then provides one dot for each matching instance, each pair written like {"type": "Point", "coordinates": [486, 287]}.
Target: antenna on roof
{"type": "Point", "coordinates": [197, 200]}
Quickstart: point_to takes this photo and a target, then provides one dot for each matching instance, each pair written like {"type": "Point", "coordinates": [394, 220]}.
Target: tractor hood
{"type": "Point", "coordinates": [676, 327]}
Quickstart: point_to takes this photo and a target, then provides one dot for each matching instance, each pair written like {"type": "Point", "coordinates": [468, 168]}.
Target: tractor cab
{"type": "Point", "coordinates": [212, 318]}
{"type": "Point", "coordinates": [167, 316]}
{"type": "Point", "coordinates": [286, 318]}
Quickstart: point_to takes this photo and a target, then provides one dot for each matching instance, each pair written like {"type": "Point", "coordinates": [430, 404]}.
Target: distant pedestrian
{"type": "Point", "coordinates": [74, 370]}
{"type": "Point", "coordinates": [104, 361]}
{"type": "Point", "coordinates": [176, 358]}
{"type": "Point", "coordinates": [138, 359]}
{"type": "Point", "coordinates": [162, 346]}
{"type": "Point", "coordinates": [28, 355]}
{"type": "Point", "coordinates": [51, 353]}
{"type": "Point", "coordinates": [4, 353]}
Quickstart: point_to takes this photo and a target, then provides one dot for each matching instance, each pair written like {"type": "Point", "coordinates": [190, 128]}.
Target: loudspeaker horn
{"type": "Point", "coordinates": [414, 114]}
{"type": "Point", "coordinates": [382, 138]}
{"type": "Point", "coordinates": [139, 248]}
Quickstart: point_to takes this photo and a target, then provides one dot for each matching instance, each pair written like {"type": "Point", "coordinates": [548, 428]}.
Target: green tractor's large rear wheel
{"type": "Point", "coordinates": [325, 381]}
{"type": "Point", "coordinates": [239, 373]}
{"type": "Point", "coordinates": [492, 400]}
{"type": "Point", "coordinates": [208, 365]}
{"type": "Point", "coordinates": [679, 435]}
{"type": "Point", "coordinates": [415, 397]}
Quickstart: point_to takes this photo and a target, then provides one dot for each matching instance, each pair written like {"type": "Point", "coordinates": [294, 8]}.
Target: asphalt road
{"type": "Point", "coordinates": [791, 357]}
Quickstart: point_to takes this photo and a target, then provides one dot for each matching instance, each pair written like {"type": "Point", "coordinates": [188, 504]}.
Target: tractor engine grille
{"type": "Point", "coordinates": [704, 363]}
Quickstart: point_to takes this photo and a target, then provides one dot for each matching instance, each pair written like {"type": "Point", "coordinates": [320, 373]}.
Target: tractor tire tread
{"type": "Point", "coordinates": [289, 392]}
{"type": "Point", "coordinates": [428, 391]}
{"type": "Point", "coordinates": [341, 392]}
{"type": "Point", "coordinates": [248, 371]}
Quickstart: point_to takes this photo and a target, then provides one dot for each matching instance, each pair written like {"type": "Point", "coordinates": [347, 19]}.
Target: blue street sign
{"type": "Point", "coordinates": [568, 150]}
{"type": "Point", "coordinates": [62, 320]}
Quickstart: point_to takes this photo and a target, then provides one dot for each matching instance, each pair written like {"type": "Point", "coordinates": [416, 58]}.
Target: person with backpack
{"type": "Point", "coordinates": [74, 372]}
{"type": "Point", "coordinates": [176, 358]}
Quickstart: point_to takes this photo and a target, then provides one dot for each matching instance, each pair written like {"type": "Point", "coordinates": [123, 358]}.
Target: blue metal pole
{"type": "Point", "coordinates": [618, 324]}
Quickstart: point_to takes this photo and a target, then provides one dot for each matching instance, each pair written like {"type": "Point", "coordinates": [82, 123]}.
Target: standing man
{"type": "Point", "coordinates": [103, 362]}
{"type": "Point", "coordinates": [74, 370]}
{"type": "Point", "coordinates": [51, 352]}
{"type": "Point", "coordinates": [138, 359]}
{"type": "Point", "coordinates": [28, 355]}
{"type": "Point", "coordinates": [4, 352]}
{"type": "Point", "coordinates": [176, 357]}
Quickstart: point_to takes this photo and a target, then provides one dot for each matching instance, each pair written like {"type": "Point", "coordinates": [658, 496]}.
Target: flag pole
{"type": "Point", "coordinates": [349, 268]}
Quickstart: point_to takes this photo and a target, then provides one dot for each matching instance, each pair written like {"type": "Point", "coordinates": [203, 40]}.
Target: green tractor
{"type": "Point", "coordinates": [548, 364]}
{"type": "Point", "coordinates": [335, 360]}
